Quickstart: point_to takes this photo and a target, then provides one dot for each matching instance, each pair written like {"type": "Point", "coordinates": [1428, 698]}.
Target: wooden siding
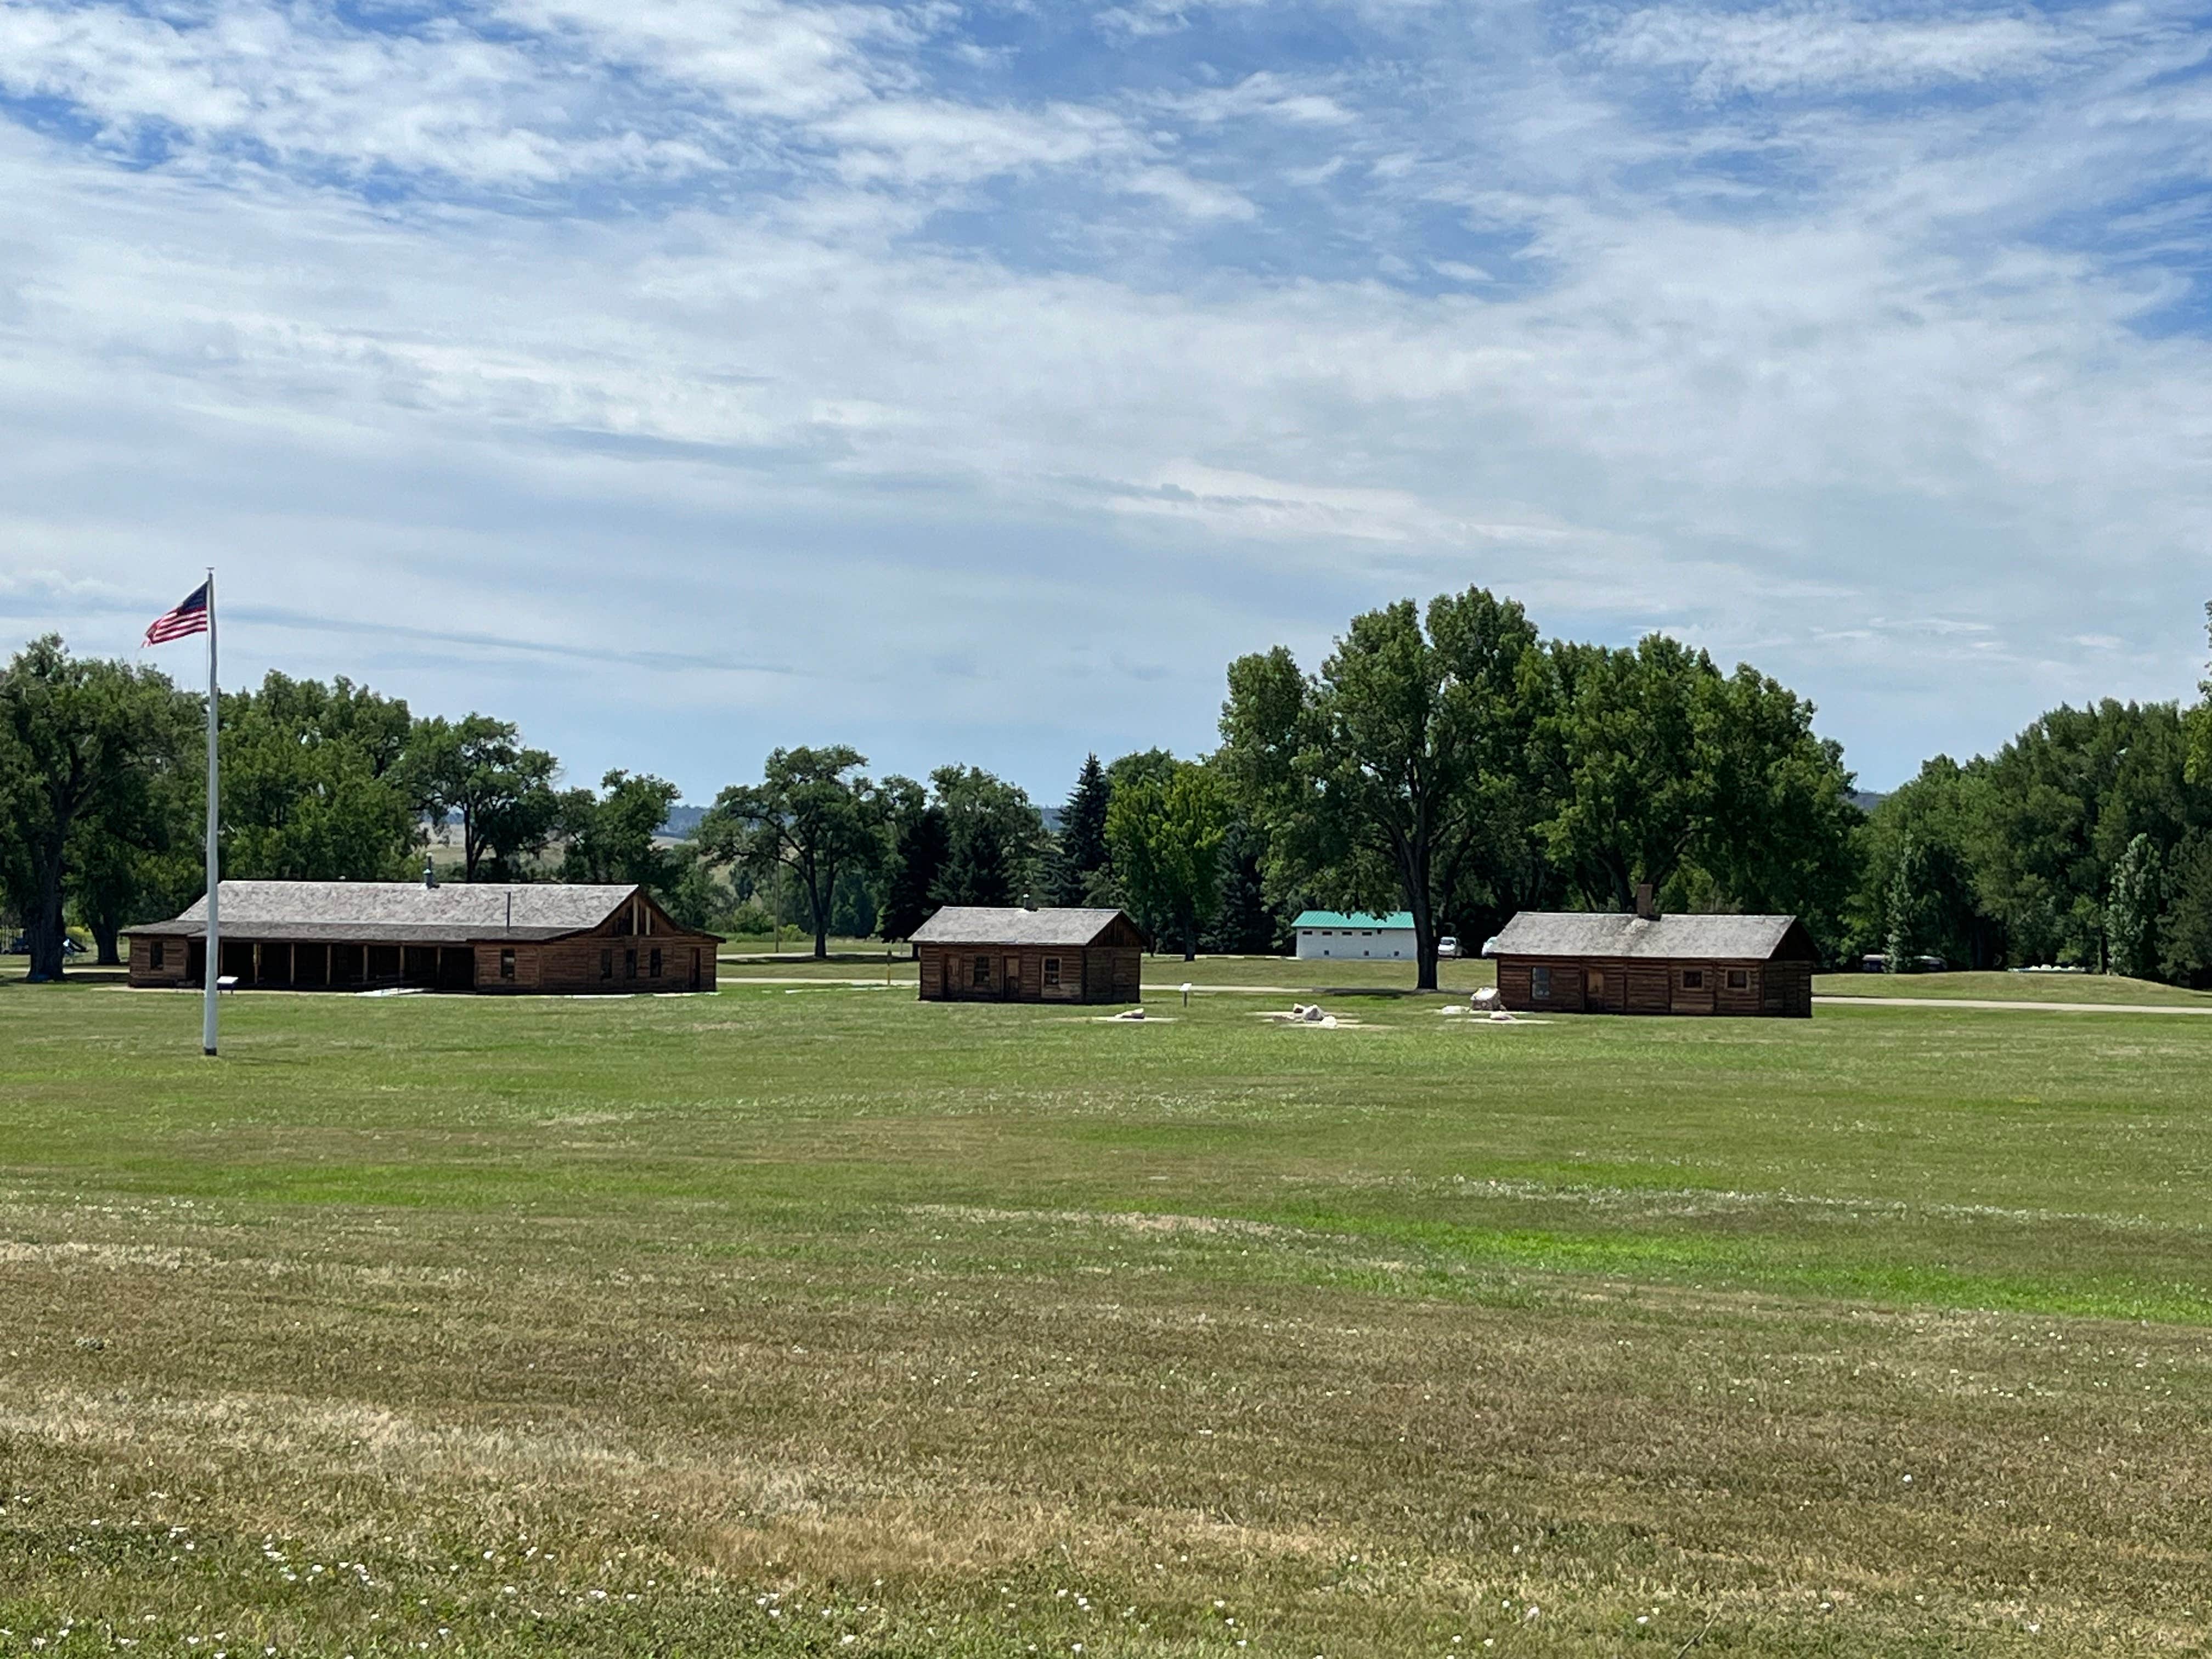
{"type": "Point", "coordinates": [612, 959]}
{"type": "Point", "coordinates": [1641, 986]}
{"type": "Point", "coordinates": [1016, 973]}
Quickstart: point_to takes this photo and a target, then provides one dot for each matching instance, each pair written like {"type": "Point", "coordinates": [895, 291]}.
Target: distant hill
{"type": "Point", "coordinates": [1867, 799]}
{"type": "Point", "coordinates": [682, 821]}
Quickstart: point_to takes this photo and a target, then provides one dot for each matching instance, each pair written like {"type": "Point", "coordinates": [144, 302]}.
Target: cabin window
{"type": "Point", "coordinates": [1052, 970]}
{"type": "Point", "coordinates": [630, 964]}
{"type": "Point", "coordinates": [1693, 979]}
{"type": "Point", "coordinates": [161, 954]}
{"type": "Point", "coordinates": [606, 964]}
{"type": "Point", "coordinates": [506, 965]}
{"type": "Point", "coordinates": [1540, 983]}
{"type": "Point", "coordinates": [653, 967]}
{"type": "Point", "coordinates": [1739, 979]}
{"type": "Point", "coordinates": [981, 972]}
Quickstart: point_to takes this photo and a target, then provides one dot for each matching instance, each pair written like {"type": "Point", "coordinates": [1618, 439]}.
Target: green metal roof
{"type": "Point", "coordinates": [1338, 919]}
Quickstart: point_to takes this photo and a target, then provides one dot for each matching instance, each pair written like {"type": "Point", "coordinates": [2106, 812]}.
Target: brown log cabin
{"type": "Point", "coordinates": [377, 935]}
{"type": "Point", "coordinates": [976, 954]}
{"type": "Point", "coordinates": [1651, 965]}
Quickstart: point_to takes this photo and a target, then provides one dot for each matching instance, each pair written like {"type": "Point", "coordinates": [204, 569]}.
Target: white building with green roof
{"type": "Point", "coordinates": [1337, 934]}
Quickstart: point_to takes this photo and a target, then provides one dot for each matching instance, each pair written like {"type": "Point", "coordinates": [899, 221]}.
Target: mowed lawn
{"type": "Point", "coordinates": [815, 1320]}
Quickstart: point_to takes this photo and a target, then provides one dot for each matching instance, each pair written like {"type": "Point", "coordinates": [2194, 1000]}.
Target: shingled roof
{"type": "Point", "coordinates": [1737, 939]}
{"type": "Point", "coordinates": [399, 911]}
{"type": "Point", "coordinates": [967, 923]}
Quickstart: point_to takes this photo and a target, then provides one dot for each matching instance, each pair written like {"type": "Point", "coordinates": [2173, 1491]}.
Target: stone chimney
{"type": "Point", "coordinates": [1647, 902]}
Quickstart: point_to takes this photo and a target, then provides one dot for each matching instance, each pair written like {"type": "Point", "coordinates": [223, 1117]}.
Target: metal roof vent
{"type": "Point", "coordinates": [430, 874]}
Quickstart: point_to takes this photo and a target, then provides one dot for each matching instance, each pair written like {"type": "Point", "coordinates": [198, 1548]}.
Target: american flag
{"type": "Point", "coordinates": [190, 617]}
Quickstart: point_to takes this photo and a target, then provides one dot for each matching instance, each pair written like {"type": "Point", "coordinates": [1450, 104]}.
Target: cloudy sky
{"type": "Point", "coordinates": [972, 381]}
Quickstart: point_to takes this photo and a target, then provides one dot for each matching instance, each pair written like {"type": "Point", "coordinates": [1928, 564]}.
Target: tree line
{"type": "Point", "coordinates": [1441, 759]}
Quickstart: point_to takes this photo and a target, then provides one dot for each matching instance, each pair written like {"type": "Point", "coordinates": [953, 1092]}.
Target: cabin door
{"type": "Point", "coordinates": [1593, 988]}
{"type": "Point", "coordinates": [1010, 981]}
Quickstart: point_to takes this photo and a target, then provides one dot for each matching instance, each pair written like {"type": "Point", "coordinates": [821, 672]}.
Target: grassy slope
{"type": "Point", "coordinates": [1363, 1333]}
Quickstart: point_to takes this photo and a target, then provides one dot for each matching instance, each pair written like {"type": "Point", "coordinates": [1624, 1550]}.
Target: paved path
{"type": "Point", "coordinates": [1163, 992]}
{"type": "Point", "coordinates": [2012, 1007]}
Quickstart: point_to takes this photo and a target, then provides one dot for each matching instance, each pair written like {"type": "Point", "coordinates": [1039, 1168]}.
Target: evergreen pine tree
{"type": "Point", "coordinates": [918, 854]}
{"type": "Point", "coordinates": [1082, 849]}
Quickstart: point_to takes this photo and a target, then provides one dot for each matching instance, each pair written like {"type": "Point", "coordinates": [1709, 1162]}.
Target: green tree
{"type": "Point", "coordinates": [2063, 802]}
{"type": "Point", "coordinates": [82, 742]}
{"type": "Point", "coordinates": [1081, 851]}
{"type": "Point", "coordinates": [1167, 839]}
{"type": "Point", "coordinates": [1630, 768]}
{"type": "Point", "coordinates": [1388, 770]}
{"type": "Point", "coordinates": [2199, 764]}
{"type": "Point", "coordinates": [695, 894]}
{"type": "Point", "coordinates": [813, 812]}
{"type": "Point", "coordinates": [1712, 788]}
{"type": "Point", "coordinates": [917, 842]}
{"type": "Point", "coordinates": [994, 838]}
{"type": "Point", "coordinates": [1906, 901]}
{"type": "Point", "coordinates": [610, 837]}
{"type": "Point", "coordinates": [312, 783]}
{"type": "Point", "coordinates": [2184, 928]}
{"type": "Point", "coordinates": [2132, 912]}
{"type": "Point", "coordinates": [1940, 813]}
{"type": "Point", "coordinates": [479, 770]}
{"type": "Point", "coordinates": [1247, 922]}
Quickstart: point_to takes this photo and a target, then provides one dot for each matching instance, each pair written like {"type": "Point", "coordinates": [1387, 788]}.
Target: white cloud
{"type": "Point", "coordinates": [927, 140]}
{"type": "Point", "coordinates": [1813, 383]}
{"type": "Point", "coordinates": [1831, 48]}
{"type": "Point", "coordinates": [295, 86]}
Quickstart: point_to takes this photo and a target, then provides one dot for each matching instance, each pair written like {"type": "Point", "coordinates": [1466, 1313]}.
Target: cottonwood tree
{"type": "Point", "coordinates": [479, 770]}
{"type": "Point", "coordinates": [1663, 770]}
{"type": "Point", "coordinates": [1167, 838]}
{"type": "Point", "coordinates": [2061, 804]}
{"type": "Point", "coordinates": [1386, 771]}
{"type": "Point", "coordinates": [610, 837]}
{"type": "Point", "coordinates": [813, 812]}
{"type": "Point", "coordinates": [312, 783]}
{"type": "Point", "coordinates": [80, 739]}
{"type": "Point", "coordinates": [1627, 742]}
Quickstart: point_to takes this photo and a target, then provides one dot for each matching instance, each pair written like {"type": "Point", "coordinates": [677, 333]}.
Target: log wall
{"type": "Point", "coordinates": [1087, 974]}
{"type": "Point", "coordinates": [1618, 986]}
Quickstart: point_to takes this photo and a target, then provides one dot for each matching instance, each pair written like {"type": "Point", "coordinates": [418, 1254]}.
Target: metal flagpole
{"type": "Point", "coordinates": [214, 971]}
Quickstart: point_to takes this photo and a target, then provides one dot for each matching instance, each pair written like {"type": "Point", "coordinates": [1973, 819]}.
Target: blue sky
{"type": "Point", "coordinates": [971, 381]}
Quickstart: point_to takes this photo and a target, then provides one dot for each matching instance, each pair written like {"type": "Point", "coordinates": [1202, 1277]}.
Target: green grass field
{"type": "Point", "coordinates": [814, 1320]}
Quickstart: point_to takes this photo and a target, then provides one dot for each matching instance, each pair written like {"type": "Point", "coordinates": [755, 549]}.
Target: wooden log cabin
{"type": "Point", "coordinates": [1653, 964]}
{"type": "Point", "coordinates": [376, 935]}
{"type": "Point", "coordinates": [976, 954]}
